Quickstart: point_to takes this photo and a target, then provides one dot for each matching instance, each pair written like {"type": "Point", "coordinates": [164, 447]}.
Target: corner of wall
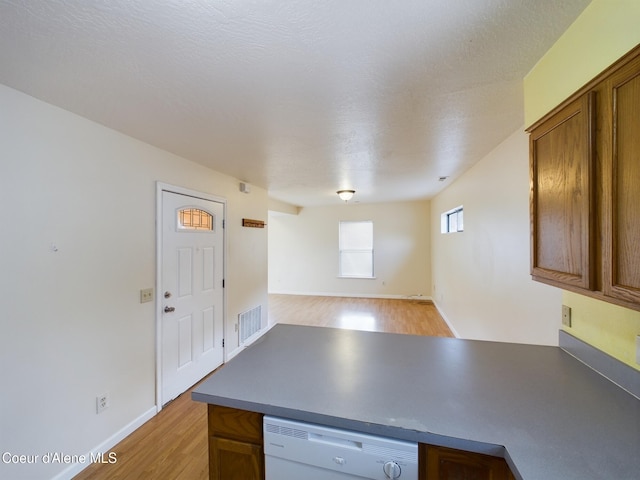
{"type": "Point", "coordinates": [606, 30]}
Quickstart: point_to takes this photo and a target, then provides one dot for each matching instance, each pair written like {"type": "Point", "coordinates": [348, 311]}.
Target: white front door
{"type": "Point", "coordinates": [192, 295]}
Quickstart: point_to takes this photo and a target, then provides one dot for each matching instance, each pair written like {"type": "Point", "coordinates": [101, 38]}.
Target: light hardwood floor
{"type": "Point", "coordinates": [173, 444]}
{"type": "Point", "coordinates": [379, 315]}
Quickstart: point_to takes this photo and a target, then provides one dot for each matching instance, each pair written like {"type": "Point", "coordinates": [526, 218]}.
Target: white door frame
{"type": "Point", "coordinates": [165, 187]}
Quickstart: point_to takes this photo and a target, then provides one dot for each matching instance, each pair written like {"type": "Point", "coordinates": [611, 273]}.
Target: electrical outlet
{"type": "Point", "coordinates": [566, 316]}
{"type": "Point", "coordinates": [638, 349]}
{"type": "Point", "coordinates": [146, 295]}
{"type": "Point", "coordinates": [102, 402]}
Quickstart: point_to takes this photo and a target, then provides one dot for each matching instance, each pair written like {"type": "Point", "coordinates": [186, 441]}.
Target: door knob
{"type": "Point", "coordinates": [169, 309]}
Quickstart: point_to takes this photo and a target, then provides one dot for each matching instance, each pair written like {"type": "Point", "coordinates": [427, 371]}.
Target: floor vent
{"type": "Point", "coordinates": [250, 322]}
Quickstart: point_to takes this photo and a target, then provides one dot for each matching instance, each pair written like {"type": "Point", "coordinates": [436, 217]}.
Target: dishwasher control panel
{"type": "Point", "coordinates": [315, 452]}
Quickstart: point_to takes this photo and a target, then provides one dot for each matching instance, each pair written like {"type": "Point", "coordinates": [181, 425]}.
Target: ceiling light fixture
{"type": "Point", "coordinates": [345, 195]}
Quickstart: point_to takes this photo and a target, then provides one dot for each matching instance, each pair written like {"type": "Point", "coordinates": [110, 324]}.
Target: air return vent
{"type": "Point", "coordinates": [250, 322]}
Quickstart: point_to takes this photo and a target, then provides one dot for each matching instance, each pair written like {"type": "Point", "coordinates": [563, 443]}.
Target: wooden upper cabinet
{"type": "Point", "coordinates": [561, 196]}
{"type": "Point", "coordinates": [585, 189]}
{"type": "Point", "coordinates": [621, 183]}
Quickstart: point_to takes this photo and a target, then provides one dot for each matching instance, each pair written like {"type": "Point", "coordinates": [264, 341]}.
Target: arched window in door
{"type": "Point", "coordinates": [194, 219]}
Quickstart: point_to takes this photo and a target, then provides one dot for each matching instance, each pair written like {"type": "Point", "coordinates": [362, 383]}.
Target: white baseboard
{"type": "Point", "coordinates": [73, 470]}
{"type": "Point", "coordinates": [444, 317]}
{"type": "Point", "coordinates": [355, 295]}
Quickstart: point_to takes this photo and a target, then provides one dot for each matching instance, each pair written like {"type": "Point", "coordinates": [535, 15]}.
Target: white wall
{"type": "Point", "coordinates": [71, 324]}
{"type": "Point", "coordinates": [481, 281]}
{"type": "Point", "coordinates": [303, 251]}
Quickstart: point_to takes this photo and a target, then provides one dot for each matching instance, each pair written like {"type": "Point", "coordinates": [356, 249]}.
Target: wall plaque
{"type": "Point", "coordinates": [247, 222]}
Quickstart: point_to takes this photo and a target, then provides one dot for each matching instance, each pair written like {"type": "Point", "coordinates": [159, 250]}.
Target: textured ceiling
{"type": "Point", "coordinates": [301, 97]}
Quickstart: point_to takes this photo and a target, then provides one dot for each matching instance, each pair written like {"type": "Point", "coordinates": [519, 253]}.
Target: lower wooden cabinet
{"type": "Point", "coordinates": [236, 452]}
{"type": "Point", "coordinates": [232, 460]}
{"type": "Point", "coordinates": [235, 444]}
{"type": "Point", "coordinates": [439, 463]}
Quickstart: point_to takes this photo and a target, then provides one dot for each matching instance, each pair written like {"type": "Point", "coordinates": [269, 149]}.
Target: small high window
{"type": "Point", "coordinates": [194, 219]}
{"type": "Point", "coordinates": [452, 221]}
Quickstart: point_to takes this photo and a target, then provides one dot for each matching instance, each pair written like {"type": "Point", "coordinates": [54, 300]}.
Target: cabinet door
{"type": "Point", "coordinates": [232, 460]}
{"type": "Point", "coordinates": [621, 202]}
{"type": "Point", "coordinates": [562, 197]}
{"type": "Point", "coordinates": [235, 444]}
{"type": "Point", "coordinates": [448, 464]}
{"type": "Point", "coordinates": [235, 424]}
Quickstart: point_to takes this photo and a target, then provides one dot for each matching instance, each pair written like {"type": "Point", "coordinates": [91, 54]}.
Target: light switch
{"type": "Point", "coordinates": [638, 349]}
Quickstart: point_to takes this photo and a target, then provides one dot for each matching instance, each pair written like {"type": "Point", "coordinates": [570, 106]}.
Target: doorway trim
{"type": "Point", "coordinates": [165, 187]}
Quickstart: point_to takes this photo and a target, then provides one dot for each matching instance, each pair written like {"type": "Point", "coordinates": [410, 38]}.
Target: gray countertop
{"type": "Point", "coordinates": [550, 416]}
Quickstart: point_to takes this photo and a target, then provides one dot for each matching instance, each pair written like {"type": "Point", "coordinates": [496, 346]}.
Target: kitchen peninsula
{"type": "Point", "coordinates": [546, 413]}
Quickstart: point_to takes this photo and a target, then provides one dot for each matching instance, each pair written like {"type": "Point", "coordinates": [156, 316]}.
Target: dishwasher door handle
{"type": "Point", "coordinates": [338, 442]}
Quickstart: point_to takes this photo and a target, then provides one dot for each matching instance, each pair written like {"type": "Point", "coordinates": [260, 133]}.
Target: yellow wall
{"type": "Point", "coordinates": [607, 327]}
{"type": "Point", "coordinates": [606, 30]}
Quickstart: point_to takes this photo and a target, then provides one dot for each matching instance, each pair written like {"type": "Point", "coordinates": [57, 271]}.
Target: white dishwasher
{"type": "Point", "coordinates": [295, 450]}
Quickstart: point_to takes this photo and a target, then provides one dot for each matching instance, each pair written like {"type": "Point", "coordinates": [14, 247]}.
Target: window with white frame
{"type": "Point", "coordinates": [355, 240]}
{"type": "Point", "coordinates": [452, 221]}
